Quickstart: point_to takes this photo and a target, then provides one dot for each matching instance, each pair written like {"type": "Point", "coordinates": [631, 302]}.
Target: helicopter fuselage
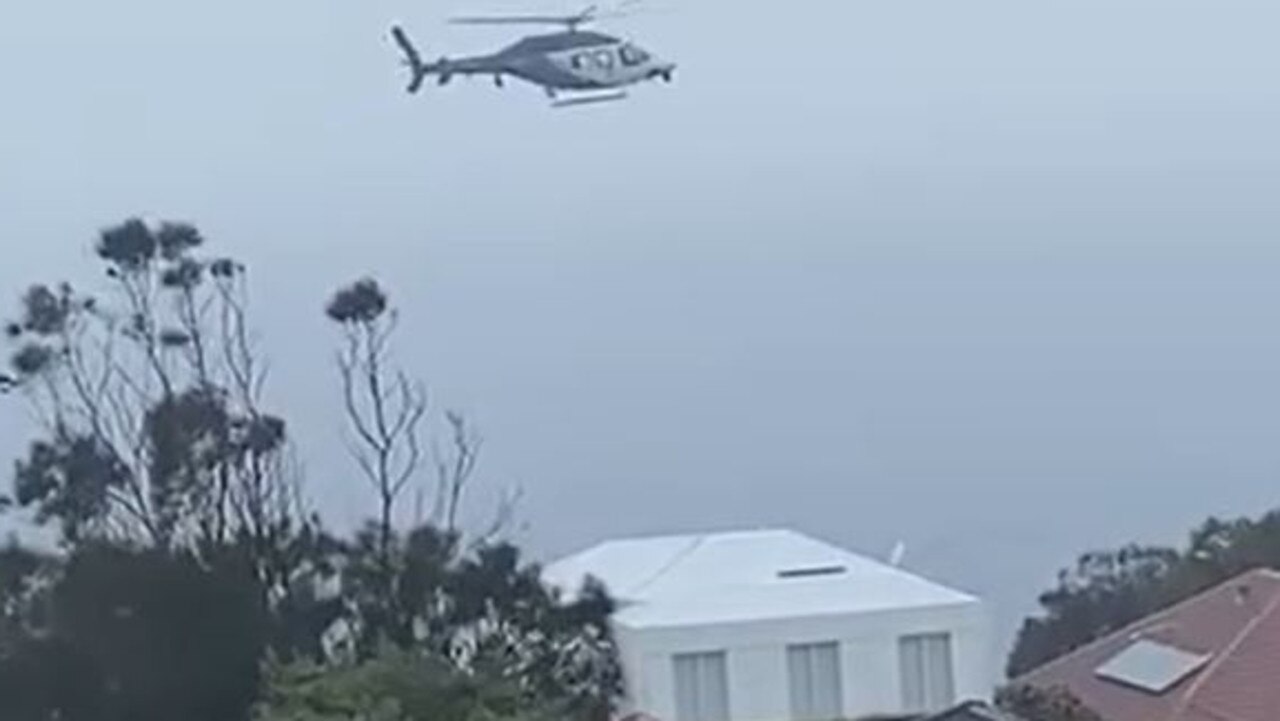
{"type": "Point", "coordinates": [582, 61]}
{"type": "Point", "coordinates": [570, 61]}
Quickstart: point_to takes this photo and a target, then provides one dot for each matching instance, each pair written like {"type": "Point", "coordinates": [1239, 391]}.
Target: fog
{"type": "Point", "coordinates": [995, 279]}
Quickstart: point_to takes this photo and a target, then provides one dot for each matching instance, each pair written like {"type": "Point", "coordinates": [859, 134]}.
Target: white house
{"type": "Point", "coordinates": [777, 626]}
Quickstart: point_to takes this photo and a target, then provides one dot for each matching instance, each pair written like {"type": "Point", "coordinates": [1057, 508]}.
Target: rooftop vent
{"type": "Point", "coordinates": [1242, 594]}
{"type": "Point", "coordinates": [812, 571]}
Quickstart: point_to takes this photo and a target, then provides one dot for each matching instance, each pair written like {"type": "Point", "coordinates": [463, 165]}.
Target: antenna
{"type": "Point", "coordinates": [898, 553]}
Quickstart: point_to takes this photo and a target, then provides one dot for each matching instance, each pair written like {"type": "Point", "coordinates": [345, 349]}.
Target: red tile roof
{"type": "Point", "coordinates": [1237, 623]}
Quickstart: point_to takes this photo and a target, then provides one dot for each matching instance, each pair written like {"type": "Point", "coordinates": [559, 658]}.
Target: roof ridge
{"type": "Point", "coordinates": [691, 535]}
{"type": "Point", "coordinates": [1133, 626]}
{"type": "Point", "coordinates": [1189, 697]}
{"type": "Point", "coordinates": [671, 563]}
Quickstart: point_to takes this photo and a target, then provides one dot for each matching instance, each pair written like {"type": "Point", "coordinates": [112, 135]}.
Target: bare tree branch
{"type": "Point", "coordinates": [457, 472]}
{"type": "Point", "coordinates": [502, 519]}
{"type": "Point", "coordinates": [384, 408]}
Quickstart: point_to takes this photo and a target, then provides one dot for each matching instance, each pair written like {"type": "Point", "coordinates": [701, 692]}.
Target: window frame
{"type": "Point", "coordinates": [693, 690]}
{"type": "Point", "coordinates": [804, 669]}
{"type": "Point", "coordinates": [917, 653]}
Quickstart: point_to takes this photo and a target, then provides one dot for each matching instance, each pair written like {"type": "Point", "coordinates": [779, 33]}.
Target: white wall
{"type": "Point", "coordinates": [757, 659]}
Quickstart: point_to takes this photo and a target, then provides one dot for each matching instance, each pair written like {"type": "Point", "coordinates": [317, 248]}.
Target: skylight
{"type": "Point", "coordinates": [812, 571]}
{"type": "Point", "coordinates": [1152, 667]}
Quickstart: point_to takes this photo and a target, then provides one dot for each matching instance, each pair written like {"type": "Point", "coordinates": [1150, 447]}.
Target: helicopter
{"type": "Point", "coordinates": [583, 65]}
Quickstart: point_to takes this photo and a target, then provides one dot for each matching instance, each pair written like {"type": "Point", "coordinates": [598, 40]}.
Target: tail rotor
{"type": "Point", "coordinates": [412, 59]}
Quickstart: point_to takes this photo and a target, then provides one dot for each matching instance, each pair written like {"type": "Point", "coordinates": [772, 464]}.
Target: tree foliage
{"type": "Point", "coordinates": [393, 686]}
{"type": "Point", "coordinates": [1035, 704]}
{"type": "Point", "coordinates": [185, 561]}
{"type": "Point", "coordinates": [135, 635]}
{"type": "Point", "coordinates": [1108, 590]}
{"type": "Point", "coordinates": [149, 396]}
{"type": "Point", "coordinates": [484, 611]}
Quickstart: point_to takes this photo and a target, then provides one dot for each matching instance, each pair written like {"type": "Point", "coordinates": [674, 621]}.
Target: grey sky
{"type": "Point", "coordinates": [997, 278]}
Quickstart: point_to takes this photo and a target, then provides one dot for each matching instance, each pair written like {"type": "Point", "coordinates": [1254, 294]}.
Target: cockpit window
{"type": "Point", "coordinates": [632, 55]}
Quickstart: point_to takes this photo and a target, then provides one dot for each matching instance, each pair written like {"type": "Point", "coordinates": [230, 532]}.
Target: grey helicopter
{"type": "Point", "coordinates": [573, 66]}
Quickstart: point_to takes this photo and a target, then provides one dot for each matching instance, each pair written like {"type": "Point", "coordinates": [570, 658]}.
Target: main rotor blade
{"type": "Point", "coordinates": [585, 16]}
{"type": "Point", "coordinates": [518, 20]}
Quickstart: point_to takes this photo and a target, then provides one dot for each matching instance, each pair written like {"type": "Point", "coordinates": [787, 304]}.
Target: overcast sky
{"type": "Point", "coordinates": [996, 278]}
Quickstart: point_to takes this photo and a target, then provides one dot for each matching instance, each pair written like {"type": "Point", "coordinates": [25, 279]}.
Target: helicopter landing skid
{"type": "Point", "coordinates": [589, 100]}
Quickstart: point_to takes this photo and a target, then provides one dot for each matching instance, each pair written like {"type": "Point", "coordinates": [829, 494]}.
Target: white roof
{"type": "Point", "coordinates": [743, 576]}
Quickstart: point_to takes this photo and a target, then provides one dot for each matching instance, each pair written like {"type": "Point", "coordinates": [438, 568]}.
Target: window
{"type": "Point", "coordinates": [814, 671]}
{"type": "Point", "coordinates": [592, 59]}
{"type": "Point", "coordinates": [928, 680]}
{"type": "Point", "coordinates": [702, 687]}
{"type": "Point", "coordinates": [1151, 666]}
{"type": "Point", "coordinates": [632, 55]}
